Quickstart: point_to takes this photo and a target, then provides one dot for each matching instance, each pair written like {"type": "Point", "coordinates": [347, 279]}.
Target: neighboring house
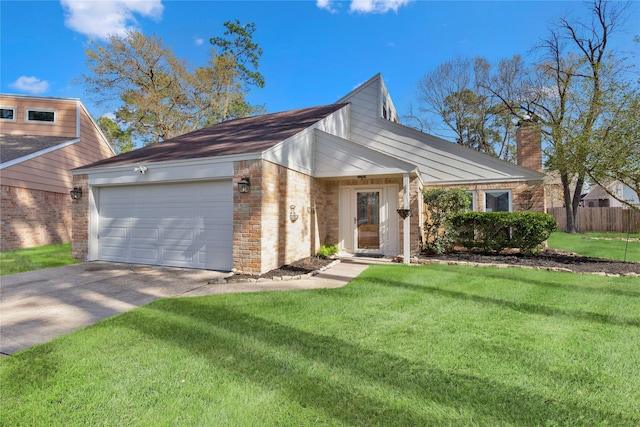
{"type": "Point", "coordinates": [597, 197]}
{"type": "Point", "coordinates": [41, 140]}
{"type": "Point", "coordinates": [253, 194]}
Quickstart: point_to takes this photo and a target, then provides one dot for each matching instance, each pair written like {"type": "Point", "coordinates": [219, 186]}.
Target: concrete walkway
{"type": "Point", "coordinates": [38, 306]}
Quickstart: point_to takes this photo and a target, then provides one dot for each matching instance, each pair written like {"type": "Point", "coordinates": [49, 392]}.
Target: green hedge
{"type": "Point", "coordinates": [495, 231]}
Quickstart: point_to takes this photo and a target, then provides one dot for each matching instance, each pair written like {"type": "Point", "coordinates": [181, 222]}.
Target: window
{"type": "Point", "coordinates": [497, 201]}
{"type": "Point", "coordinates": [8, 113]}
{"type": "Point", "coordinates": [47, 116]}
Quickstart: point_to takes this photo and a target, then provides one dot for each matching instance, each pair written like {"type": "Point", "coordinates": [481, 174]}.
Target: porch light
{"type": "Point", "coordinates": [76, 193]}
{"type": "Point", "coordinates": [404, 213]}
{"type": "Point", "coordinates": [244, 185]}
{"type": "Point", "coordinates": [292, 213]}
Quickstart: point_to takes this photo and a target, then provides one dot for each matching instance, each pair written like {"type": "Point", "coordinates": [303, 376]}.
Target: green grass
{"type": "Point", "coordinates": [614, 245]}
{"type": "Point", "coordinates": [400, 345]}
{"type": "Point", "coordinates": [22, 260]}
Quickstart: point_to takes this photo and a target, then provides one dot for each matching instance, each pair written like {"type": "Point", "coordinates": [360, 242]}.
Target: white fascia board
{"type": "Point", "coordinates": [38, 153]}
{"type": "Point", "coordinates": [481, 181]}
{"type": "Point", "coordinates": [370, 172]}
{"type": "Point", "coordinates": [171, 171]}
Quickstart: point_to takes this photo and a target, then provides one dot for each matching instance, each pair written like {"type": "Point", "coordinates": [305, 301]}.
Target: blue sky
{"type": "Point", "coordinates": [314, 51]}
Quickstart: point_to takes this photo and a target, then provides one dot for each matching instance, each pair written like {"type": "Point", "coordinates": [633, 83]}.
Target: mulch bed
{"type": "Point", "coordinates": [549, 258]}
{"type": "Point", "coordinates": [297, 268]}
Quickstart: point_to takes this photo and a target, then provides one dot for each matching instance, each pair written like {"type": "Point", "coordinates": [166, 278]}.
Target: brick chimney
{"type": "Point", "coordinates": [529, 146]}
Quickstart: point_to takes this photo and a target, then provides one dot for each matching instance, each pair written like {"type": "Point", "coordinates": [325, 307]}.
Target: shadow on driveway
{"type": "Point", "coordinates": [38, 306]}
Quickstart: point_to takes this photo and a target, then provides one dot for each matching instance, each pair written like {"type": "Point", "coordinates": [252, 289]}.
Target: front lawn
{"type": "Point", "coordinates": [21, 260]}
{"type": "Point", "coordinates": [599, 245]}
{"type": "Point", "coordinates": [400, 345]}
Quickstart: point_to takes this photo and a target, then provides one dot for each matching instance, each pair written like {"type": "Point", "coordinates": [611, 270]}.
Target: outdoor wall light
{"type": "Point", "coordinates": [404, 213]}
{"type": "Point", "coordinates": [244, 185]}
{"type": "Point", "coordinates": [76, 193]}
{"type": "Point", "coordinates": [292, 213]}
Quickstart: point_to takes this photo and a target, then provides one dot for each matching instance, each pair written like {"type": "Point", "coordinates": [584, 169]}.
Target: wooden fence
{"type": "Point", "coordinates": [613, 220]}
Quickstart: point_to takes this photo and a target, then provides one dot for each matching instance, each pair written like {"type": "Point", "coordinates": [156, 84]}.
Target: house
{"type": "Point", "coordinates": [41, 140]}
{"type": "Point", "coordinates": [597, 197]}
{"type": "Point", "coordinates": [255, 193]}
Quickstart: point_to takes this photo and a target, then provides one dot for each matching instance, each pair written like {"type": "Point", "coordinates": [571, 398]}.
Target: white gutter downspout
{"type": "Point", "coordinates": [407, 221]}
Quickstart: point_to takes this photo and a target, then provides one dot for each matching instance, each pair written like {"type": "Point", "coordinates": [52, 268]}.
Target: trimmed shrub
{"type": "Point", "coordinates": [327, 251]}
{"type": "Point", "coordinates": [496, 231]}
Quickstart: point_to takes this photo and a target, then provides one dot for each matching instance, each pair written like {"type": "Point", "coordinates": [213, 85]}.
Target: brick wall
{"type": "Point", "coordinates": [34, 218]}
{"type": "Point", "coordinates": [264, 236]}
{"type": "Point", "coordinates": [80, 228]}
{"type": "Point", "coordinates": [525, 196]}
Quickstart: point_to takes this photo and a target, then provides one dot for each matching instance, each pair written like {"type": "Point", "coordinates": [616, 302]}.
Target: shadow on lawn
{"type": "Point", "coordinates": [518, 306]}
{"type": "Point", "coordinates": [345, 372]}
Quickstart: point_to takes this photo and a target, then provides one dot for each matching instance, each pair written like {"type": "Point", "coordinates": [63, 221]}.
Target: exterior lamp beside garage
{"type": "Point", "coordinates": [76, 193]}
{"type": "Point", "coordinates": [244, 185]}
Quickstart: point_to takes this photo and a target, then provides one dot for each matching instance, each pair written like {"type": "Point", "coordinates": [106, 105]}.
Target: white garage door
{"type": "Point", "coordinates": [179, 225]}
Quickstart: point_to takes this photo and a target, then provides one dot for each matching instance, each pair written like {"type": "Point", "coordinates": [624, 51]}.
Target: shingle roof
{"type": "Point", "coordinates": [234, 137]}
{"type": "Point", "coordinates": [15, 146]}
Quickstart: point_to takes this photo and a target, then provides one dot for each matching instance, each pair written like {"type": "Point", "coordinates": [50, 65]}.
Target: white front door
{"type": "Point", "coordinates": [367, 230]}
{"type": "Point", "coordinates": [368, 219]}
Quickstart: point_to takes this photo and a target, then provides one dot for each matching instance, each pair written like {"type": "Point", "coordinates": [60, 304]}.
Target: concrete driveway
{"type": "Point", "coordinates": [38, 306]}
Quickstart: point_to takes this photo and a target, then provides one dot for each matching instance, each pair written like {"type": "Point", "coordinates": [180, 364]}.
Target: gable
{"type": "Point", "coordinates": [440, 162]}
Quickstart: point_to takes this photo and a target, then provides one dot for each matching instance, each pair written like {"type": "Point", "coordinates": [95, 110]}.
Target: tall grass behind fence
{"type": "Point", "coordinates": [613, 220]}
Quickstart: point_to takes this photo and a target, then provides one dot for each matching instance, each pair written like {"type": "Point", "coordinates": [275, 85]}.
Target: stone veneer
{"type": "Point", "coordinates": [34, 218]}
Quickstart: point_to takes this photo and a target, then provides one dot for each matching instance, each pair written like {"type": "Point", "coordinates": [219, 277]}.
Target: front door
{"type": "Point", "coordinates": [367, 233]}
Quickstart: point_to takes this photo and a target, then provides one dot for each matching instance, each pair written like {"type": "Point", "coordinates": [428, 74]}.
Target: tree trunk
{"type": "Point", "coordinates": [571, 204]}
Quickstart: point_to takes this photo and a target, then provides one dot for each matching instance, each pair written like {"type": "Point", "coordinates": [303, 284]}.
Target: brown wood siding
{"type": "Point", "coordinates": [65, 124]}
{"type": "Point", "coordinates": [52, 171]}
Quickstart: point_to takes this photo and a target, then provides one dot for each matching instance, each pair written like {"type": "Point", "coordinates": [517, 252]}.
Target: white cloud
{"type": "Point", "coordinates": [365, 6]}
{"type": "Point", "coordinates": [377, 6]}
{"type": "Point", "coordinates": [30, 85]}
{"type": "Point", "coordinates": [198, 41]}
{"type": "Point", "coordinates": [100, 19]}
{"type": "Point", "coordinates": [326, 4]}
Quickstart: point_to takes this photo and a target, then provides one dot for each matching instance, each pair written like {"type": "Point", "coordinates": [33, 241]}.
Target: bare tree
{"type": "Point", "coordinates": [454, 93]}
{"type": "Point", "coordinates": [567, 93]}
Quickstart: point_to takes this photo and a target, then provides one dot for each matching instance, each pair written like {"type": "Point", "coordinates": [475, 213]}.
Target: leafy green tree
{"type": "Point", "coordinates": [615, 156]}
{"type": "Point", "coordinates": [442, 205]}
{"type": "Point", "coordinates": [119, 139]}
{"type": "Point", "coordinates": [159, 97]}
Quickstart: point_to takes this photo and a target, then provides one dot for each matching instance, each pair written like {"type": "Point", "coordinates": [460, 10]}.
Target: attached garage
{"type": "Point", "coordinates": [170, 224]}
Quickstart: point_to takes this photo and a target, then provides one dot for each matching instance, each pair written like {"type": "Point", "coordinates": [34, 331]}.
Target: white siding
{"type": "Point", "coordinates": [296, 152]}
{"type": "Point", "coordinates": [439, 161]}
{"type": "Point", "coordinates": [337, 157]}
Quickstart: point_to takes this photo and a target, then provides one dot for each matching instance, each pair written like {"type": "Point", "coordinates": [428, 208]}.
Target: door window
{"type": "Point", "coordinates": [368, 220]}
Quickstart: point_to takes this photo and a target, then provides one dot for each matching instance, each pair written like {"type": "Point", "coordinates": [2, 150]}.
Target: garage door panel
{"type": "Point", "coordinates": [144, 255]}
{"type": "Point", "coordinates": [185, 225]}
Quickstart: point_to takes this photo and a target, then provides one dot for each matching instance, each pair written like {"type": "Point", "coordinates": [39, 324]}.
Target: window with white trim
{"type": "Point", "coordinates": [472, 204]}
{"type": "Point", "coordinates": [8, 113]}
{"type": "Point", "coordinates": [40, 116]}
{"type": "Point", "coordinates": [497, 201]}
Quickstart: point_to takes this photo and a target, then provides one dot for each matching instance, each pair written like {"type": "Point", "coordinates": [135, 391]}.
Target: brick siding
{"type": "Point", "coordinates": [80, 230]}
{"type": "Point", "coordinates": [34, 218]}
